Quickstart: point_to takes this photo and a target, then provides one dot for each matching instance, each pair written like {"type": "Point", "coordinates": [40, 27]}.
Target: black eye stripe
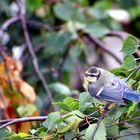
{"type": "Point", "coordinates": [91, 75]}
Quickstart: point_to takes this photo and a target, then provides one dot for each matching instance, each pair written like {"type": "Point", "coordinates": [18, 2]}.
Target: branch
{"type": "Point", "coordinates": [133, 119]}
{"type": "Point", "coordinates": [8, 23]}
{"type": "Point", "coordinates": [83, 125]}
{"type": "Point", "coordinates": [132, 73]}
{"type": "Point", "coordinates": [126, 135]}
{"type": "Point", "coordinates": [99, 121]}
{"type": "Point", "coordinates": [21, 4]}
{"type": "Point", "coordinates": [43, 25]}
{"type": "Point", "coordinates": [102, 45]}
{"type": "Point", "coordinates": [62, 61]}
{"type": "Point", "coordinates": [20, 120]}
{"type": "Point", "coordinates": [26, 56]}
{"type": "Point", "coordinates": [119, 34]}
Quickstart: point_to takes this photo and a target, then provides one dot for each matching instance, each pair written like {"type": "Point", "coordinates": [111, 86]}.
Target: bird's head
{"type": "Point", "coordinates": [91, 76]}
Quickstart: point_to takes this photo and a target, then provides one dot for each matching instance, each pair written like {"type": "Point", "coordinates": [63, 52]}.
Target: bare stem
{"type": "Point", "coordinates": [126, 135]}
{"type": "Point", "coordinates": [132, 73]}
{"type": "Point", "coordinates": [8, 23]}
{"type": "Point", "coordinates": [21, 4]}
{"type": "Point", "coordinates": [136, 118]}
{"type": "Point", "coordinates": [99, 43]}
{"type": "Point", "coordinates": [99, 122]}
{"type": "Point", "coordinates": [62, 61]}
{"type": "Point", "coordinates": [20, 120]}
{"type": "Point", "coordinates": [43, 25]}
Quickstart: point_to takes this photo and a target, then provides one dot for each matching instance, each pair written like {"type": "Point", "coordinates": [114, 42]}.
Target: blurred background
{"type": "Point", "coordinates": [51, 43]}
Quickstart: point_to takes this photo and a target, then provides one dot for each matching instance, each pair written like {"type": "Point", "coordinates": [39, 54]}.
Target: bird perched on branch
{"type": "Point", "coordinates": [105, 86]}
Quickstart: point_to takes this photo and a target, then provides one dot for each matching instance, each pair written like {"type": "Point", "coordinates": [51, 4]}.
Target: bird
{"type": "Point", "coordinates": [106, 87]}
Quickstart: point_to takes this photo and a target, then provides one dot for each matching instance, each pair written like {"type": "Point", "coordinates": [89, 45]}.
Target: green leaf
{"type": "Point", "coordinates": [63, 118]}
{"type": "Point", "coordinates": [69, 135]}
{"type": "Point", "coordinates": [100, 134]}
{"type": "Point", "coordinates": [71, 103]}
{"type": "Point", "coordinates": [131, 137]}
{"type": "Point", "coordinates": [32, 6]}
{"type": "Point", "coordinates": [96, 29]}
{"type": "Point", "coordinates": [23, 135]}
{"type": "Point", "coordinates": [112, 131]}
{"type": "Point", "coordinates": [67, 11]}
{"type": "Point", "coordinates": [129, 62]}
{"type": "Point", "coordinates": [56, 42]}
{"type": "Point", "coordinates": [50, 120]}
{"type": "Point", "coordinates": [138, 88]}
{"type": "Point", "coordinates": [68, 104]}
{"type": "Point", "coordinates": [19, 136]}
{"type": "Point", "coordinates": [131, 108]}
{"type": "Point", "coordinates": [134, 115]}
{"type": "Point", "coordinates": [4, 133]}
{"type": "Point", "coordinates": [26, 110]}
{"type": "Point", "coordinates": [85, 101]}
{"type": "Point", "coordinates": [130, 45]}
{"type": "Point", "coordinates": [63, 106]}
{"type": "Point", "coordinates": [121, 71]}
{"type": "Point", "coordinates": [76, 114]}
{"type": "Point", "coordinates": [60, 88]}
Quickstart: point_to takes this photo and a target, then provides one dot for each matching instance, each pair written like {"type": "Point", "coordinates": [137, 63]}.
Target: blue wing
{"type": "Point", "coordinates": [116, 92]}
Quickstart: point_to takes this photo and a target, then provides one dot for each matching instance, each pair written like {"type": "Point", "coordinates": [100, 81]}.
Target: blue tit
{"type": "Point", "coordinates": [107, 87]}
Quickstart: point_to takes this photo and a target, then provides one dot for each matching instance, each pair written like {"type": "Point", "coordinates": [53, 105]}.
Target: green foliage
{"type": "Point", "coordinates": [59, 88]}
{"type": "Point", "coordinates": [68, 104]}
{"type": "Point", "coordinates": [58, 45]}
{"type": "Point", "coordinates": [100, 134]}
{"type": "Point", "coordinates": [32, 6]}
{"type": "Point", "coordinates": [51, 119]}
{"type": "Point", "coordinates": [111, 131]}
{"type": "Point", "coordinates": [67, 11]}
{"type": "Point", "coordinates": [58, 31]}
{"type": "Point", "coordinates": [26, 110]}
{"type": "Point", "coordinates": [130, 45]}
{"type": "Point", "coordinates": [96, 29]}
{"type": "Point", "coordinates": [129, 62]}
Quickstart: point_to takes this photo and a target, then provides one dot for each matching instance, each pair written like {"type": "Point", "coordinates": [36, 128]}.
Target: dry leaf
{"type": "Point", "coordinates": [26, 90]}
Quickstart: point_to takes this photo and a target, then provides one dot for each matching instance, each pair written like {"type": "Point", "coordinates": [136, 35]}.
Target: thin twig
{"type": "Point", "coordinates": [43, 25]}
{"type": "Point", "coordinates": [126, 135]}
{"type": "Point", "coordinates": [133, 119]}
{"type": "Point", "coordinates": [132, 74]}
{"type": "Point", "coordinates": [21, 4]}
{"type": "Point", "coordinates": [102, 45]}
{"type": "Point", "coordinates": [8, 23]}
{"type": "Point", "coordinates": [99, 122]}
{"type": "Point", "coordinates": [26, 56]}
{"type": "Point", "coordinates": [20, 120]}
{"type": "Point", "coordinates": [62, 61]}
{"type": "Point", "coordinates": [119, 34]}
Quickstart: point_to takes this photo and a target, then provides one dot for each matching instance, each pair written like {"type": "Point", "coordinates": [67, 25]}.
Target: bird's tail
{"type": "Point", "coordinates": [131, 95]}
